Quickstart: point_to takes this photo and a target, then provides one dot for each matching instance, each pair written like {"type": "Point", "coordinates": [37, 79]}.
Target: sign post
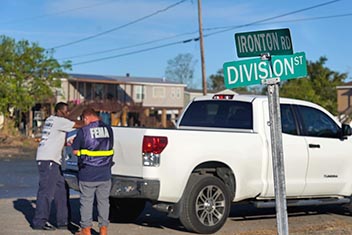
{"type": "Point", "coordinates": [276, 62]}
{"type": "Point", "coordinates": [277, 155]}
{"type": "Point", "coordinates": [277, 150]}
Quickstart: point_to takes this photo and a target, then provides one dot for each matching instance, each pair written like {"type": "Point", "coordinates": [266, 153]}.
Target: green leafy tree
{"type": "Point", "coordinates": [299, 89]}
{"type": "Point", "coordinates": [319, 87]}
{"type": "Point", "coordinates": [217, 80]}
{"type": "Point", "coordinates": [216, 83]}
{"type": "Point", "coordinates": [181, 69]}
{"type": "Point", "coordinates": [28, 75]}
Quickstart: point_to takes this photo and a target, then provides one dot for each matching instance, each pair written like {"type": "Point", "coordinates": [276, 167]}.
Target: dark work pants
{"type": "Point", "coordinates": [51, 187]}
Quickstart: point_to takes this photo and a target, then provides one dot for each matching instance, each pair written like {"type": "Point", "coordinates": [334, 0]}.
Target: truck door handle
{"type": "Point", "coordinates": [314, 145]}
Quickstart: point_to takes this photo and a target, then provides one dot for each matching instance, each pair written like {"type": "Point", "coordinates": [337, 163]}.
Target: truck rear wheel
{"type": "Point", "coordinates": [205, 204]}
{"type": "Point", "coordinates": [125, 209]}
{"type": "Point", "coordinates": [349, 206]}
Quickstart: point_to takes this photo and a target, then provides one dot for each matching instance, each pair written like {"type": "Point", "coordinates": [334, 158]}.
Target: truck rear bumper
{"type": "Point", "coordinates": [122, 186]}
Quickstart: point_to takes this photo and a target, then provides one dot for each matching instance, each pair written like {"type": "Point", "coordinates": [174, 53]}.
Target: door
{"type": "Point", "coordinates": [294, 151]}
{"type": "Point", "coordinates": [330, 157]}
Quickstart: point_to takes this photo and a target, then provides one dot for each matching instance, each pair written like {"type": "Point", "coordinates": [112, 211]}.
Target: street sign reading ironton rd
{"type": "Point", "coordinates": [252, 71]}
{"type": "Point", "coordinates": [275, 42]}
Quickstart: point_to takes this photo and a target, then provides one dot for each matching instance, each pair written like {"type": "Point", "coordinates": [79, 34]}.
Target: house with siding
{"type": "Point", "coordinates": [120, 100]}
{"type": "Point", "coordinates": [344, 101]}
{"type": "Point", "coordinates": [133, 100]}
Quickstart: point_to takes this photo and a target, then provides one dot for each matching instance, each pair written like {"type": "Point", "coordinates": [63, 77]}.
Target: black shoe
{"type": "Point", "coordinates": [47, 226]}
{"type": "Point", "coordinates": [72, 227]}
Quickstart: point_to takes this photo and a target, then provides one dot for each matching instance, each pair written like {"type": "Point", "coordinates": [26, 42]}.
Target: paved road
{"type": "Point", "coordinates": [18, 185]}
{"type": "Point", "coordinates": [19, 177]}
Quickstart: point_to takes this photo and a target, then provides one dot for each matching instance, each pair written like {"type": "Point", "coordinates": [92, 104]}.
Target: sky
{"type": "Point", "coordinates": [116, 37]}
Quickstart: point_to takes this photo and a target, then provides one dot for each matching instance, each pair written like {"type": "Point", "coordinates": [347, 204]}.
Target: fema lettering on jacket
{"type": "Point", "coordinates": [99, 132]}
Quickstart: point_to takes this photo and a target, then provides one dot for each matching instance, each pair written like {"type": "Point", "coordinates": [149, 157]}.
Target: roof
{"type": "Point", "coordinates": [345, 85]}
{"type": "Point", "coordinates": [119, 79]}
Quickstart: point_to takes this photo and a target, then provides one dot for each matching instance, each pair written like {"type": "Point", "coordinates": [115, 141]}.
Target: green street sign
{"type": "Point", "coordinates": [250, 72]}
{"type": "Point", "coordinates": [275, 42]}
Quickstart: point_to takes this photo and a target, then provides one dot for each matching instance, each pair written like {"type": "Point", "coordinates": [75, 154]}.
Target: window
{"type": "Point", "coordinates": [318, 124]}
{"type": "Point", "coordinates": [175, 93]}
{"type": "Point", "coordinates": [139, 91]}
{"type": "Point", "coordinates": [59, 92]}
{"type": "Point", "coordinates": [288, 122]}
{"type": "Point", "coordinates": [159, 92]}
{"type": "Point", "coordinates": [219, 114]}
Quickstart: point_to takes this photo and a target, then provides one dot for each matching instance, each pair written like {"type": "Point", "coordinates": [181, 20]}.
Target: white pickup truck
{"type": "Point", "coordinates": [220, 153]}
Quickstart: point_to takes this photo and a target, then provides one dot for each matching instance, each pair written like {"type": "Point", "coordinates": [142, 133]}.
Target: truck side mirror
{"type": "Point", "coordinates": [346, 130]}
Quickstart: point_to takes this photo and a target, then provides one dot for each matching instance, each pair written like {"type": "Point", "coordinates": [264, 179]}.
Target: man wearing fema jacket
{"type": "Point", "coordinates": [93, 146]}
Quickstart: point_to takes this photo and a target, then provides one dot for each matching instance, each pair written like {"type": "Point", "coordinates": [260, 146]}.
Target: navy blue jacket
{"type": "Point", "coordinates": [94, 143]}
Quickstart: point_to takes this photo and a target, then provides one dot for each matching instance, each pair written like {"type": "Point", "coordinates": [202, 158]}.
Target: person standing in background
{"type": "Point", "coordinates": [52, 185]}
{"type": "Point", "coordinates": [93, 146]}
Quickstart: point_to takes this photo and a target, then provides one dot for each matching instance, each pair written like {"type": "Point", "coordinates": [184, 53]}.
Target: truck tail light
{"type": "Point", "coordinates": [223, 97]}
{"type": "Point", "coordinates": [152, 148]}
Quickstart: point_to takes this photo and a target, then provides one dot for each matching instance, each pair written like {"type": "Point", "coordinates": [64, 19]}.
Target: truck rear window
{"type": "Point", "coordinates": [219, 114]}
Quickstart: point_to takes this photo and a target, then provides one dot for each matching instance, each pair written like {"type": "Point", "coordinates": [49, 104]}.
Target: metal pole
{"type": "Point", "coordinates": [277, 155]}
{"type": "Point", "coordinates": [200, 26]}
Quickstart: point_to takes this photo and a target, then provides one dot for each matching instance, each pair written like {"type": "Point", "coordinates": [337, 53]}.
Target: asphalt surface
{"type": "Point", "coordinates": [18, 178]}
{"type": "Point", "coordinates": [18, 187]}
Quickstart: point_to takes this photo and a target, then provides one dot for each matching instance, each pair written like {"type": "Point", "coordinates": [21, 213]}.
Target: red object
{"type": "Point", "coordinates": [154, 144]}
{"type": "Point", "coordinates": [223, 97]}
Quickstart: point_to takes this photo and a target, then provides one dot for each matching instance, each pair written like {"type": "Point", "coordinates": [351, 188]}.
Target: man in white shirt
{"type": "Point", "coordinates": [51, 181]}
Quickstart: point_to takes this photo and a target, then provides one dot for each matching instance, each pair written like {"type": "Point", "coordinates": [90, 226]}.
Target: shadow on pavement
{"type": "Point", "coordinates": [242, 212]}
{"type": "Point", "coordinates": [155, 219]}
{"type": "Point", "coordinates": [25, 206]}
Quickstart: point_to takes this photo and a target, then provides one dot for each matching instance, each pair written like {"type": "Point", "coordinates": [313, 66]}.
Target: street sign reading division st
{"type": "Point", "coordinates": [253, 44]}
{"type": "Point", "coordinates": [252, 71]}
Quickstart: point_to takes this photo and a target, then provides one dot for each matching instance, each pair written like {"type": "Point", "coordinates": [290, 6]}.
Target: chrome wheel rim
{"type": "Point", "coordinates": [210, 205]}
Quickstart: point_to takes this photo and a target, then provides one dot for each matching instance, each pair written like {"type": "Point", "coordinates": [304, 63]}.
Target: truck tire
{"type": "Point", "coordinates": [349, 206]}
{"type": "Point", "coordinates": [125, 210]}
{"type": "Point", "coordinates": [205, 205]}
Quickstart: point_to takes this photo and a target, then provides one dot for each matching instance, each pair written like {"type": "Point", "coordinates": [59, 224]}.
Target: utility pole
{"type": "Point", "coordinates": [200, 25]}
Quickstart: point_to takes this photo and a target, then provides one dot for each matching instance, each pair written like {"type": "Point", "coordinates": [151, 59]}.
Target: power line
{"type": "Point", "coordinates": [205, 29]}
{"type": "Point", "coordinates": [207, 35]}
{"type": "Point", "coordinates": [274, 17]}
{"type": "Point", "coordinates": [120, 27]}
{"type": "Point", "coordinates": [288, 21]}
{"type": "Point", "coordinates": [129, 53]}
{"type": "Point", "coordinates": [126, 47]}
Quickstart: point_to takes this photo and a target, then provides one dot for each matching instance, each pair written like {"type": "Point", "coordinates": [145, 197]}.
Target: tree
{"type": "Point", "coordinates": [28, 75]}
{"type": "Point", "coordinates": [181, 69]}
{"type": "Point", "coordinates": [216, 82]}
{"type": "Point", "coordinates": [319, 87]}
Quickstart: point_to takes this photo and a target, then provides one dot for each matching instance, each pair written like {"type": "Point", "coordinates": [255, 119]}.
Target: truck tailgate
{"type": "Point", "coordinates": [128, 151]}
